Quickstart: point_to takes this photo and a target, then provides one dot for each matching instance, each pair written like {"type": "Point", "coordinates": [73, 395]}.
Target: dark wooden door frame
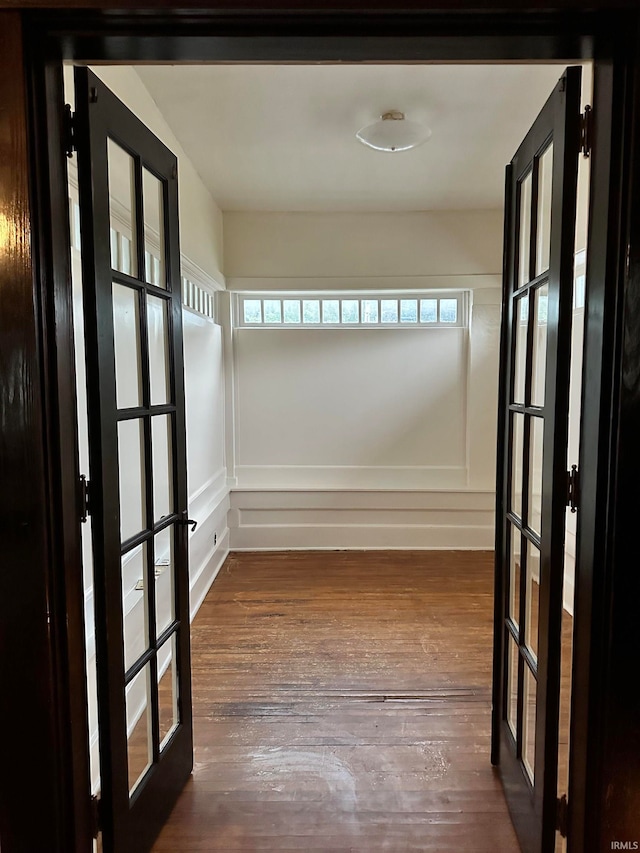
{"type": "Point", "coordinates": [41, 573]}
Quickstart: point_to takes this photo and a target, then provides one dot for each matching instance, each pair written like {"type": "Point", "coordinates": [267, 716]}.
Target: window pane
{"type": "Point", "coordinates": [153, 200]}
{"type": "Point", "coordinates": [272, 311]}
{"type": "Point", "coordinates": [126, 341]}
{"type": "Point", "coordinates": [168, 690]}
{"type": "Point", "coordinates": [330, 311]}
{"type": "Point", "coordinates": [139, 738]}
{"type": "Point", "coordinates": [524, 242]}
{"type": "Point", "coordinates": [428, 310]}
{"type": "Point", "coordinates": [291, 310]}
{"type": "Point", "coordinates": [532, 593]}
{"type": "Point", "coordinates": [512, 684]}
{"type": "Point", "coordinates": [448, 310]}
{"type": "Point", "coordinates": [158, 331]}
{"type": "Point", "coordinates": [521, 316]}
{"type": "Point", "coordinates": [535, 474]}
{"type": "Point", "coordinates": [517, 426]}
{"type": "Point", "coordinates": [122, 205]}
{"type": "Point", "coordinates": [161, 443]}
{"type": "Point", "coordinates": [350, 311]}
{"type": "Point", "coordinates": [165, 579]}
{"type": "Point", "coordinates": [389, 310]}
{"type": "Point", "coordinates": [311, 311]}
{"type": "Point", "coordinates": [529, 723]}
{"type": "Point", "coordinates": [539, 356]}
{"type": "Point", "coordinates": [135, 615]}
{"type": "Point", "coordinates": [543, 236]}
{"type": "Point", "coordinates": [132, 479]}
{"type": "Point", "coordinates": [369, 310]}
{"type": "Point", "coordinates": [515, 564]}
{"type": "Point", "coordinates": [252, 311]}
{"type": "Point", "coordinates": [408, 310]}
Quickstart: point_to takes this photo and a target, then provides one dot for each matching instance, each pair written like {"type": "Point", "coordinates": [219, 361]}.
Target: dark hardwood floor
{"type": "Point", "coordinates": [342, 703]}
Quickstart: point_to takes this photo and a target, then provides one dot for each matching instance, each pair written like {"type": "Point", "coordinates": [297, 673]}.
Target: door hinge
{"type": "Point", "coordinates": [69, 131]}
{"type": "Point", "coordinates": [96, 815]}
{"type": "Point", "coordinates": [586, 131]}
{"type": "Point", "coordinates": [84, 492]}
{"type": "Point", "coordinates": [573, 488]}
{"type": "Point", "coordinates": [562, 815]}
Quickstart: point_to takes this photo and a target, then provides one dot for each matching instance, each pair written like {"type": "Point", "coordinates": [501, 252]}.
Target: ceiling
{"type": "Point", "coordinates": [281, 137]}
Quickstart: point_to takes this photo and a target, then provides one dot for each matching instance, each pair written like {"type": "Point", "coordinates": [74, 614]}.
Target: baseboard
{"type": "Point", "coordinates": [361, 520]}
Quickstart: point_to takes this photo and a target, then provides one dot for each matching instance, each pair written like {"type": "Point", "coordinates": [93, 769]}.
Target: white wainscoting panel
{"type": "Point", "coordinates": [353, 477]}
{"type": "Point", "coordinates": [209, 542]}
{"type": "Point", "coordinates": [272, 519]}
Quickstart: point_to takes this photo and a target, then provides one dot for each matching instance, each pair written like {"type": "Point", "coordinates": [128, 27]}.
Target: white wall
{"type": "Point", "coordinates": [482, 388]}
{"type": "Point", "coordinates": [321, 413]}
{"type": "Point", "coordinates": [355, 245]}
{"type": "Point", "coordinates": [366, 437]}
{"type": "Point", "coordinates": [355, 408]}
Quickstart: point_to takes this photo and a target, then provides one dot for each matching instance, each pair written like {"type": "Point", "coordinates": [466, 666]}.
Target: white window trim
{"type": "Point", "coordinates": [461, 296]}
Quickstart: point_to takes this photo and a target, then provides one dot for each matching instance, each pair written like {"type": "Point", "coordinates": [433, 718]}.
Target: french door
{"type": "Point", "coordinates": [532, 473]}
{"type": "Point", "coordinates": [128, 195]}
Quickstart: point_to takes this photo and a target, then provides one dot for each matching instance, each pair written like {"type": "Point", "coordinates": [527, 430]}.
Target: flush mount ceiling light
{"type": "Point", "coordinates": [393, 132]}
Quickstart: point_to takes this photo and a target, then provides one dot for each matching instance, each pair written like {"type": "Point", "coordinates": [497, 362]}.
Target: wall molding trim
{"type": "Point", "coordinates": [211, 492]}
{"type": "Point", "coordinates": [362, 519]}
{"type": "Point", "coordinates": [368, 283]}
{"type": "Point", "coordinates": [351, 477]}
{"type": "Point", "coordinates": [191, 270]}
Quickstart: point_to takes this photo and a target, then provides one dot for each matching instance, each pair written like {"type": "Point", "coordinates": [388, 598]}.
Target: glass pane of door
{"type": "Point", "coordinates": [139, 727]}
{"type": "Point", "coordinates": [153, 197]}
{"type": "Point", "coordinates": [158, 335]}
{"type": "Point", "coordinates": [135, 614]}
{"type": "Point", "coordinates": [162, 444]}
{"type": "Point", "coordinates": [165, 579]}
{"type": "Point", "coordinates": [543, 237]}
{"type": "Point", "coordinates": [524, 237]}
{"type": "Point", "coordinates": [539, 358]}
{"type": "Point", "coordinates": [132, 479]}
{"type": "Point", "coordinates": [517, 454]}
{"type": "Point", "coordinates": [122, 209]}
{"type": "Point", "coordinates": [168, 691]}
{"type": "Point", "coordinates": [126, 335]}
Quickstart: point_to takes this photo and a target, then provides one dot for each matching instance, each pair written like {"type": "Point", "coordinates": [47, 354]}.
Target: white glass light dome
{"type": "Point", "coordinates": [393, 132]}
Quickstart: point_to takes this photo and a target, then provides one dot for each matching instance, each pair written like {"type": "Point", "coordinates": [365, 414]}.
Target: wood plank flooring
{"type": "Point", "coordinates": [342, 703]}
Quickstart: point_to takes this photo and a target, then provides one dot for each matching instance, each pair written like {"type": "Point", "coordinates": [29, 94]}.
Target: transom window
{"type": "Point", "coordinates": [371, 310]}
{"type": "Point", "coordinates": [198, 299]}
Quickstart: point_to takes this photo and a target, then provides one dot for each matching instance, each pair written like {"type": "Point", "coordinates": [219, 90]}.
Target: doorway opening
{"type": "Point", "coordinates": [278, 406]}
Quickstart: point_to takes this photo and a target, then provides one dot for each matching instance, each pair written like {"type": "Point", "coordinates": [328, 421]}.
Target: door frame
{"type": "Point", "coordinates": [33, 182]}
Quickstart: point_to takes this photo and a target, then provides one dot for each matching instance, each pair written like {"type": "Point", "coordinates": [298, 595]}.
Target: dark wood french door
{"type": "Point", "coordinates": [128, 193]}
{"type": "Point", "coordinates": [532, 472]}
